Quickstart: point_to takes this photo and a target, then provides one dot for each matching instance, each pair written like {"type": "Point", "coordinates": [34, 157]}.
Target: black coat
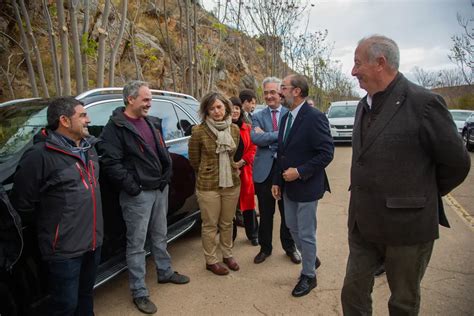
{"type": "Point", "coordinates": [411, 156]}
{"type": "Point", "coordinates": [62, 193]}
{"type": "Point", "coordinates": [128, 160]}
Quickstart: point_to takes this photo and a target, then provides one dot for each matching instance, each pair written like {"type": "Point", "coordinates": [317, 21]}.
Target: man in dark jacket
{"type": "Point", "coordinates": [135, 157]}
{"type": "Point", "coordinates": [407, 153]}
{"type": "Point", "coordinates": [58, 180]}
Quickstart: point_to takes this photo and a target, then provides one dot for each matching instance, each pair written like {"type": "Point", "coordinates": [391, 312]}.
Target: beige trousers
{"type": "Point", "coordinates": [217, 211]}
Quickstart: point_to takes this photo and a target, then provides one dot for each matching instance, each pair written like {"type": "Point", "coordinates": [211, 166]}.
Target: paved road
{"type": "Point", "coordinates": [265, 289]}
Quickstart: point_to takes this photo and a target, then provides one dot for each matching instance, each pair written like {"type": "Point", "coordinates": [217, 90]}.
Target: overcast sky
{"type": "Point", "coordinates": [421, 28]}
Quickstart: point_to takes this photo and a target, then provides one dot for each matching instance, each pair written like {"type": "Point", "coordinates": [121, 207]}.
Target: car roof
{"type": "Point", "coordinates": [99, 94]}
{"type": "Point", "coordinates": [466, 111]}
{"type": "Point", "coordinates": [345, 103]}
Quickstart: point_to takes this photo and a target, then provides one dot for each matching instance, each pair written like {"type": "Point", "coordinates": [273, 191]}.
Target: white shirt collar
{"type": "Point", "coordinates": [295, 111]}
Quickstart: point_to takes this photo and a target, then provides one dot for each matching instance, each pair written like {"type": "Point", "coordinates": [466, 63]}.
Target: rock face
{"type": "Point", "coordinates": [226, 60]}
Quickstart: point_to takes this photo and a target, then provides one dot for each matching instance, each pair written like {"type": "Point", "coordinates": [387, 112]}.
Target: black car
{"type": "Point", "coordinates": [23, 286]}
{"type": "Point", "coordinates": [468, 133]}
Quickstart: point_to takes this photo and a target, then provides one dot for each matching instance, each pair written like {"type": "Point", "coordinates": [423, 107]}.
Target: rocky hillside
{"type": "Point", "coordinates": [227, 60]}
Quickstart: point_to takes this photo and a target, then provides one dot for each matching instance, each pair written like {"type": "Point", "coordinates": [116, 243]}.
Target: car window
{"type": "Point", "coordinates": [185, 122]}
{"type": "Point", "coordinates": [100, 112]}
{"type": "Point", "coordinates": [460, 116]}
{"type": "Point", "coordinates": [19, 124]}
{"type": "Point", "coordinates": [169, 121]}
{"type": "Point", "coordinates": [342, 111]}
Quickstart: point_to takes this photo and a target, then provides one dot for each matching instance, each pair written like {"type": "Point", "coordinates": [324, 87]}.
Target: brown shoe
{"type": "Point", "coordinates": [231, 263]}
{"type": "Point", "coordinates": [217, 268]}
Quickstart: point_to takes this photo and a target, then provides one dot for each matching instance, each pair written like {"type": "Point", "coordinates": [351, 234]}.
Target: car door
{"type": "Point", "coordinates": [176, 126]}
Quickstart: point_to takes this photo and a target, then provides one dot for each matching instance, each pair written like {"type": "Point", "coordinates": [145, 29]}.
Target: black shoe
{"type": "Point", "coordinates": [318, 263]}
{"type": "Point", "coordinates": [380, 271]}
{"type": "Point", "coordinates": [304, 286]}
{"type": "Point", "coordinates": [294, 256]}
{"type": "Point", "coordinates": [260, 257]}
{"type": "Point", "coordinates": [254, 242]}
{"type": "Point", "coordinates": [144, 305]}
{"type": "Point", "coordinates": [176, 278]}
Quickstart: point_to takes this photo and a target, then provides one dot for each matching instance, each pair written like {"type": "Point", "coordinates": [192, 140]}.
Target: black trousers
{"type": "Point", "coordinates": [266, 207]}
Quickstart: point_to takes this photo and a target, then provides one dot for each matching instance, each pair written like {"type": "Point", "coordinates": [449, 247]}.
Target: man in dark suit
{"type": "Point", "coordinates": [407, 153]}
{"type": "Point", "coordinates": [264, 134]}
{"type": "Point", "coordinates": [305, 149]}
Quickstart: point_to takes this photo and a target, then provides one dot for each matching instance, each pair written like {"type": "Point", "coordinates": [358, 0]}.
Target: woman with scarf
{"type": "Point", "coordinates": [244, 160]}
{"type": "Point", "coordinates": [212, 147]}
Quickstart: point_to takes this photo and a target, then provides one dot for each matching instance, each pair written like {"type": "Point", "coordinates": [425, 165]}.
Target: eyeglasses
{"type": "Point", "coordinates": [283, 87]}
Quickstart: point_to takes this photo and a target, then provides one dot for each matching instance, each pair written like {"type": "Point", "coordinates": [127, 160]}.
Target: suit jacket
{"type": "Point", "coordinates": [410, 156]}
{"type": "Point", "coordinates": [309, 148]}
{"type": "Point", "coordinates": [267, 143]}
{"type": "Point", "coordinates": [205, 160]}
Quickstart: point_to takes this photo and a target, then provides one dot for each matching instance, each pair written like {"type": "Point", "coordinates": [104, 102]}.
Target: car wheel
{"type": "Point", "coordinates": [469, 146]}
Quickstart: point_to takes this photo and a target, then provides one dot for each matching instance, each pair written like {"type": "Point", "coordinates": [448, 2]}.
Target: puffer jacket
{"type": "Point", "coordinates": [63, 194]}
{"type": "Point", "coordinates": [128, 160]}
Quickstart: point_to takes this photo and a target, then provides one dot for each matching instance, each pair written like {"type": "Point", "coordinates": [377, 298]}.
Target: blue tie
{"type": "Point", "coordinates": [288, 127]}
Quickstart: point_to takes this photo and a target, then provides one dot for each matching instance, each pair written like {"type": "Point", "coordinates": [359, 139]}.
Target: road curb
{"type": "Point", "coordinates": [462, 213]}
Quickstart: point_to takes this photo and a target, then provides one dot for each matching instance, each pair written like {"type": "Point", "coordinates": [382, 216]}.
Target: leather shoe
{"type": "Point", "coordinates": [217, 268]}
{"type": "Point", "coordinates": [260, 257]}
{"type": "Point", "coordinates": [254, 242]}
{"type": "Point", "coordinates": [294, 256]}
{"type": "Point", "coordinates": [231, 263]}
{"type": "Point", "coordinates": [318, 263]}
{"type": "Point", "coordinates": [304, 286]}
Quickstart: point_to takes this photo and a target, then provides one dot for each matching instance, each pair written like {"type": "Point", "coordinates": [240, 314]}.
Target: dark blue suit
{"type": "Point", "coordinates": [310, 149]}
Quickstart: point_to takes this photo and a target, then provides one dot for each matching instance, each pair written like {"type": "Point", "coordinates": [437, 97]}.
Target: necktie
{"type": "Point", "coordinates": [274, 120]}
{"type": "Point", "coordinates": [288, 127]}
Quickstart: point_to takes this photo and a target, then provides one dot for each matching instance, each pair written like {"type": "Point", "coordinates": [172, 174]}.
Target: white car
{"type": "Point", "coordinates": [341, 116]}
{"type": "Point", "coordinates": [460, 117]}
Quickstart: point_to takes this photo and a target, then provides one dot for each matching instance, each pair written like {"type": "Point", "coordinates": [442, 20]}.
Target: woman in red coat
{"type": "Point", "coordinates": [244, 158]}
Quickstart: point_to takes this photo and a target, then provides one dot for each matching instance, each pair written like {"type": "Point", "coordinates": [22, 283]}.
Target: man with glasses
{"type": "Point", "coordinates": [264, 134]}
{"type": "Point", "coordinates": [305, 149]}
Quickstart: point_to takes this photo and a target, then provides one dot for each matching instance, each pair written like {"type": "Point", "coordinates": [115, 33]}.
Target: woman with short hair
{"type": "Point", "coordinates": [212, 147]}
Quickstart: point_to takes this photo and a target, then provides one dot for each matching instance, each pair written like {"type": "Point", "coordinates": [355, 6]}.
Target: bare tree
{"type": "Point", "coordinates": [52, 49]}
{"type": "Point", "coordinates": [63, 36]}
{"type": "Point", "coordinates": [195, 51]}
{"type": "Point", "coordinates": [85, 46]}
{"type": "Point", "coordinates": [36, 51]}
{"type": "Point", "coordinates": [26, 49]}
{"type": "Point", "coordinates": [101, 50]}
{"type": "Point", "coordinates": [76, 46]}
{"type": "Point", "coordinates": [462, 52]}
{"type": "Point", "coordinates": [118, 40]}
{"type": "Point", "coordinates": [423, 77]}
{"type": "Point", "coordinates": [189, 68]}
{"type": "Point", "coordinates": [168, 46]}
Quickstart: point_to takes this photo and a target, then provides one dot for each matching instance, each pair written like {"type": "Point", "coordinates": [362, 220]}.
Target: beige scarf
{"type": "Point", "coordinates": [224, 145]}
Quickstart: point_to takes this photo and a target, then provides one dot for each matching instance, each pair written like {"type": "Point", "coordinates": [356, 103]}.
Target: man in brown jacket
{"type": "Point", "coordinates": [407, 153]}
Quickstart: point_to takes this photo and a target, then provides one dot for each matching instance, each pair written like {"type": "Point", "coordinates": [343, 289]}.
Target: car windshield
{"type": "Point", "coordinates": [460, 116]}
{"type": "Point", "coordinates": [20, 122]}
{"type": "Point", "coordinates": [342, 111]}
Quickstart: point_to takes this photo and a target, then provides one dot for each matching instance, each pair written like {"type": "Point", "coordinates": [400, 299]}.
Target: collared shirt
{"type": "Point", "coordinates": [294, 113]}
{"type": "Point", "coordinates": [278, 112]}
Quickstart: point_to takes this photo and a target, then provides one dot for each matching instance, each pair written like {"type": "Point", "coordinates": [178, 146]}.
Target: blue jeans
{"type": "Point", "coordinates": [146, 213]}
{"type": "Point", "coordinates": [71, 282]}
{"type": "Point", "coordinates": [301, 220]}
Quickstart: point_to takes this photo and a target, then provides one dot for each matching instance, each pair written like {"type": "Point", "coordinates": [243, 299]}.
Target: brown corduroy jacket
{"type": "Point", "coordinates": [205, 160]}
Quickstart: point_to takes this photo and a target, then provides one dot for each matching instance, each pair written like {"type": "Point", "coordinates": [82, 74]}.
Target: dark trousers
{"type": "Point", "coordinates": [266, 207]}
{"type": "Point", "coordinates": [251, 224]}
{"type": "Point", "coordinates": [404, 265]}
{"type": "Point", "coordinates": [71, 283]}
